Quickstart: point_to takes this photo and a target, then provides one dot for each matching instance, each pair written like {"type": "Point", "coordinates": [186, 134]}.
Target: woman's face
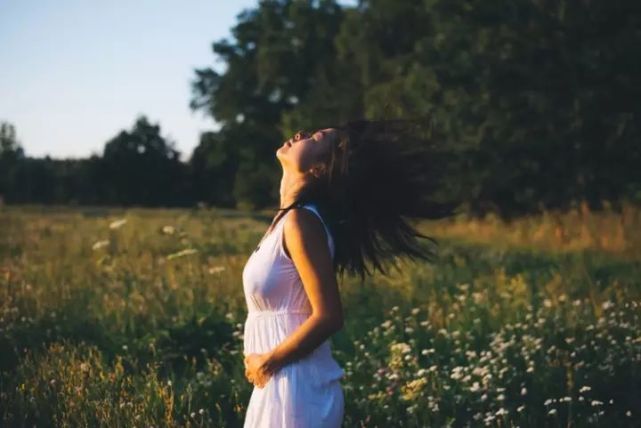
{"type": "Point", "coordinates": [305, 149]}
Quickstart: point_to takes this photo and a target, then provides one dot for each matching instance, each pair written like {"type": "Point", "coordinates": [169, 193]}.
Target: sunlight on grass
{"type": "Point", "coordinates": [135, 317]}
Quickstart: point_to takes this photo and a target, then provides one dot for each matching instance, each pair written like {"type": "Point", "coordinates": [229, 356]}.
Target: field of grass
{"type": "Point", "coordinates": [112, 317]}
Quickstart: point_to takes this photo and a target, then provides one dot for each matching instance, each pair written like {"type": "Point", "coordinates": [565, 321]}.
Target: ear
{"type": "Point", "coordinates": [318, 170]}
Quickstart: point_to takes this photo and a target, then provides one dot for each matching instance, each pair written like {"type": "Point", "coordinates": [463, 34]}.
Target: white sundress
{"type": "Point", "coordinates": [305, 393]}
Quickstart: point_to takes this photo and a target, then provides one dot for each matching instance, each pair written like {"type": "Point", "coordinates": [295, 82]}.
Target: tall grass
{"type": "Point", "coordinates": [134, 317]}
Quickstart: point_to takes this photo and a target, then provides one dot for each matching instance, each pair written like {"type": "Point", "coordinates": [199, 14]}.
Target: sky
{"type": "Point", "coordinates": [75, 73]}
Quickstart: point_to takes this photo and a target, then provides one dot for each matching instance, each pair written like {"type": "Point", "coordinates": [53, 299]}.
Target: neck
{"type": "Point", "coordinates": [290, 185]}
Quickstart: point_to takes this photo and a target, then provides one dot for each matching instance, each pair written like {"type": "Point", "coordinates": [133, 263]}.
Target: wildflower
{"type": "Point", "coordinates": [411, 389]}
{"type": "Point", "coordinates": [457, 373]}
{"type": "Point", "coordinates": [479, 371]}
{"type": "Point", "coordinates": [607, 305]}
{"type": "Point", "coordinates": [216, 269]}
{"type": "Point", "coordinates": [402, 347]}
{"type": "Point", "coordinates": [478, 297]}
{"type": "Point", "coordinates": [182, 253]}
{"type": "Point", "coordinates": [117, 224]}
{"type": "Point", "coordinates": [99, 244]}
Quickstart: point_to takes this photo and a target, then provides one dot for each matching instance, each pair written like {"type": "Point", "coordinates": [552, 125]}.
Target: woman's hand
{"type": "Point", "coordinates": [259, 368]}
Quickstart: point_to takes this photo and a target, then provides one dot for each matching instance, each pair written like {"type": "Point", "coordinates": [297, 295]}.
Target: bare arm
{"type": "Point", "coordinates": [306, 241]}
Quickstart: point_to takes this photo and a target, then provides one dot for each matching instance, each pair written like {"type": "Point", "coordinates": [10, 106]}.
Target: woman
{"type": "Point", "coordinates": [343, 194]}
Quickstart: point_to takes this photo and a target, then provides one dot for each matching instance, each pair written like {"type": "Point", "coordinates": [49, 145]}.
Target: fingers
{"type": "Point", "coordinates": [259, 383]}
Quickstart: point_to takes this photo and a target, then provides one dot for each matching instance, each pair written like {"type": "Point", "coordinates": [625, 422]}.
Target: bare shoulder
{"type": "Point", "coordinates": [304, 234]}
{"type": "Point", "coordinates": [301, 223]}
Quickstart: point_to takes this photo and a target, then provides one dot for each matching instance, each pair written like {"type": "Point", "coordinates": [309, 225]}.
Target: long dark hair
{"type": "Point", "coordinates": [377, 174]}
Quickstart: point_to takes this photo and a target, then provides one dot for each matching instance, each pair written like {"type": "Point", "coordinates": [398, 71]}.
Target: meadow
{"type": "Point", "coordinates": [134, 317]}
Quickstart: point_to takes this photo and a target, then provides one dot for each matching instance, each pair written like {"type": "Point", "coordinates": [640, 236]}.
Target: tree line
{"type": "Point", "coordinates": [537, 100]}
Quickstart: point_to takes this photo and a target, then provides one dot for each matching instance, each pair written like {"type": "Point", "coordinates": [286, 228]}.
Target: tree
{"type": "Point", "coordinates": [279, 54]}
{"type": "Point", "coordinates": [11, 155]}
{"type": "Point", "coordinates": [141, 167]}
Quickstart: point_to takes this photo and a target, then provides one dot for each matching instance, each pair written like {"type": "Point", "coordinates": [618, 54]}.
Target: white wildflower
{"type": "Point", "coordinates": [182, 253]}
{"type": "Point", "coordinates": [118, 223]}
{"type": "Point", "coordinates": [99, 244]}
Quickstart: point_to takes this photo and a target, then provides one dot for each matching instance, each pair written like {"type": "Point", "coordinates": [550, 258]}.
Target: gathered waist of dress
{"type": "Point", "coordinates": [277, 312]}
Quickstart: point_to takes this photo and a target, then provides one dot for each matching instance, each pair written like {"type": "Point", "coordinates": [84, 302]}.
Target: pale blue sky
{"type": "Point", "coordinates": [76, 72]}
